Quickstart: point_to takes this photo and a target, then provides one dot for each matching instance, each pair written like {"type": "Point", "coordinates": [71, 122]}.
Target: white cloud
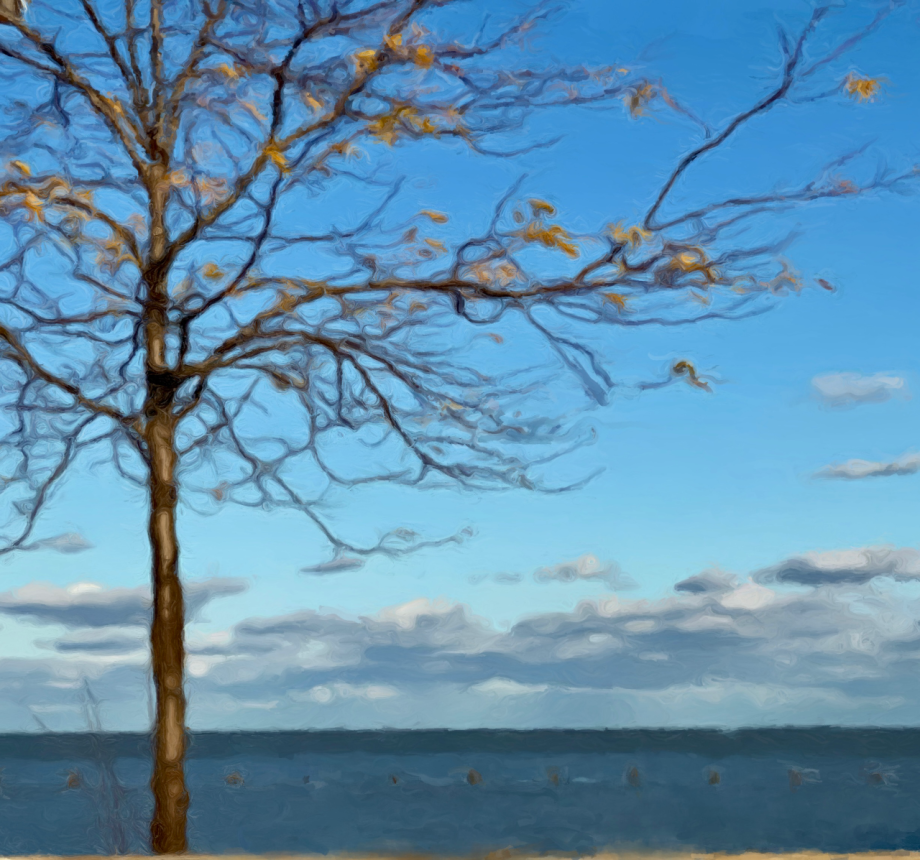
{"type": "Point", "coordinates": [851, 389]}
{"type": "Point", "coordinates": [68, 543]}
{"type": "Point", "coordinates": [88, 604]}
{"type": "Point", "coordinates": [748, 596]}
{"type": "Point", "coordinates": [406, 615]}
{"type": "Point", "coordinates": [849, 566]}
{"type": "Point", "coordinates": [503, 687]}
{"type": "Point", "coordinates": [586, 568]}
{"type": "Point", "coordinates": [325, 694]}
{"type": "Point", "coordinates": [856, 470]}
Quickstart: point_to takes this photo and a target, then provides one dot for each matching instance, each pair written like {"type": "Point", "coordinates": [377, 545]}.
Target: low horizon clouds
{"type": "Point", "coordinates": [814, 630]}
{"type": "Point", "coordinates": [857, 470]}
{"type": "Point", "coordinates": [846, 389]}
{"type": "Point", "coordinates": [87, 604]}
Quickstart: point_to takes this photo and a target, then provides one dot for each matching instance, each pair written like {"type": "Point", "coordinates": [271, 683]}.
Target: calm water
{"type": "Point", "coordinates": [470, 792]}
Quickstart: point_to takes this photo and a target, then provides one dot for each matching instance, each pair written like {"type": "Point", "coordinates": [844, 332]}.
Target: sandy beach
{"type": "Point", "coordinates": [512, 855]}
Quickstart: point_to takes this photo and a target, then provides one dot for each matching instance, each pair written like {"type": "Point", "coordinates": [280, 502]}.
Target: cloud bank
{"type": "Point", "coordinates": [828, 636]}
{"type": "Point", "coordinates": [87, 604]}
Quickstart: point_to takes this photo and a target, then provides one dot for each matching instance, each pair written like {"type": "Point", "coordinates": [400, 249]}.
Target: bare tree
{"type": "Point", "coordinates": [165, 293]}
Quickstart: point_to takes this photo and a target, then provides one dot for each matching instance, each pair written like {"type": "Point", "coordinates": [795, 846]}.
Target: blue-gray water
{"type": "Point", "coordinates": [779, 789]}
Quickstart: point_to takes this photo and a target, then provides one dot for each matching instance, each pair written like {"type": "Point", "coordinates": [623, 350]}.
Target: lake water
{"type": "Point", "coordinates": [474, 792]}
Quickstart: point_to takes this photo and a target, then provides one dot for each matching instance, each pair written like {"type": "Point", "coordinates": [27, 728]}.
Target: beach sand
{"type": "Point", "coordinates": [511, 855]}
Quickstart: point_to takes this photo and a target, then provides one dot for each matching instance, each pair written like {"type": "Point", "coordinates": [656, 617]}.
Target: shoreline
{"type": "Point", "coordinates": [636, 854]}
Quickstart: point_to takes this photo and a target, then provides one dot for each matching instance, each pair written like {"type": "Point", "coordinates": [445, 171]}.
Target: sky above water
{"type": "Point", "coordinates": [748, 556]}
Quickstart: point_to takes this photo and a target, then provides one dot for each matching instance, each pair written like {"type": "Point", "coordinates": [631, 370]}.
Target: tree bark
{"type": "Point", "coordinates": [167, 647]}
{"type": "Point", "coordinates": [167, 629]}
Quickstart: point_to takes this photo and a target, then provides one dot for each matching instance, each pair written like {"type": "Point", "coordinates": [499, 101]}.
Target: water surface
{"type": "Point", "coordinates": [472, 792]}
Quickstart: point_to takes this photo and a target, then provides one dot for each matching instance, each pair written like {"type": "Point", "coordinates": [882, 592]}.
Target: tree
{"type": "Point", "coordinates": [163, 293]}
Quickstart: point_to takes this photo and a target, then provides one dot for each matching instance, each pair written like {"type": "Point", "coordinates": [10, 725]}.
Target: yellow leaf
{"type": "Point", "coordinates": [211, 188]}
{"type": "Point", "coordinates": [632, 236]}
{"type": "Point", "coordinates": [385, 128]}
{"type": "Point", "coordinates": [482, 273]}
{"type": "Point", "coordinates": [846, 186]}
{"type": "Point", "coordinates": [617, 299]}
{"type": "Point", "coordinates": [788, 278]}
{"type": "Point", "coordinates": [310, 100]}
{"type": "Point", "coordinates": [276, 156]}
{"type": "Point", "coordinates": [394, 41]}
{"type": "Point", "coordinates": [437, 217]}
{"type": "Point", "coordinates": [438, 246]}
{"type": "Point", "coordinates": [553, 236]}
{"type": "Point", "coordinates": [34, 205]}
{"type": "Point", "coordinates": [685, 368]}
{"type": "Point", "coordinates": [423, 56]}
{"type": "Point", "coordinates": [344, 148]}
{"type": "Point", "coordinates": [541, 207]}
{"type": "Point", "coordinates": [366, 60]}
{"type": "Point", "coordinates": [694, 259]}
{"type": "Point", "coordinates": [22, 167]}
{"type": "Point", "coordinates": [229, 71]}
{"type": "Point", "coordinates": [864, 89]}
{"type": "Point", "coordinates": [286, 303]}
{"type": "Point", "coordinates": [506, 274]}
{"type": "Point", "coordinates": [638, 99]}
{"type": "Point", "coordinates": [213, 272]}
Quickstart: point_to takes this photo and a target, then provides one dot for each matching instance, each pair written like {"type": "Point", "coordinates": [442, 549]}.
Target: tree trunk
{"type": "Point", "coordinates": [167, 647]}
{"type": "Point", "coordinates": [167, 629]}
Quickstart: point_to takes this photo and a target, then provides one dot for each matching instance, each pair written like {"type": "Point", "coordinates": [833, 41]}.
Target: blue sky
{"type": "Point", "coordinates": [691, 482]}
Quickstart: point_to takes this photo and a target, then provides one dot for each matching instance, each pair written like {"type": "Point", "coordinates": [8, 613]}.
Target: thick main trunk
{"type": "Point", "coordinates": [167, 829]}
{"type": "Point", "coordinates": [167, 646]}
